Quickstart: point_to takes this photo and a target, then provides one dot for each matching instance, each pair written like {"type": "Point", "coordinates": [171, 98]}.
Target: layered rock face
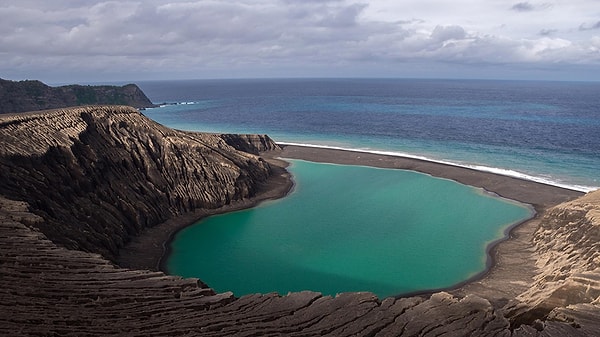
{"type": "Point", "coordinates": [568, 260]}
{"type": "Point", "coordinates": [99, 175]}
{"type": "Point", "coordinates": [89, 178]}
{"type": "Point", "coordinates": [34, 95]}
{"type": "Point", "coordinates": [250, 143]}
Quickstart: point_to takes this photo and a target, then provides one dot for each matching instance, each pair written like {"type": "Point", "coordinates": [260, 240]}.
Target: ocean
{"type": "Point", "coordinates": [543, 131]}
{"type": "Point", "coordinates": [408, 232]}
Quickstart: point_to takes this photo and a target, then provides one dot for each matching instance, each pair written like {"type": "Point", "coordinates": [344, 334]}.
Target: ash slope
{"type": "Point", "coordinates": [77, 183]}
{"type": "Point", "coordinates": [100, 175]}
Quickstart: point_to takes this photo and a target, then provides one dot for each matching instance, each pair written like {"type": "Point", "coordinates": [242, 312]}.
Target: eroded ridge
{"type": "Point", "coordinates": [100, 175]}
{"type": "Point", "coordinates": [567, 246]}
{"type": "Point", "coordinates": [46, 289]}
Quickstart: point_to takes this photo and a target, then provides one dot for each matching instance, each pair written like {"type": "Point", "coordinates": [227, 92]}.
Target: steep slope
{"type": "Point", "coordinates": [50, 290]}
{"type": "Point", "coordinates": [567, 246]}
{"type": "Point", "coordinates": [20, 96]}
{"type": "Point", "coordinates": [99, 175]}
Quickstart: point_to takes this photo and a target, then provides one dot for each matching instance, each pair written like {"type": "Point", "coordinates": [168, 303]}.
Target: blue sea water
{"type": "Point", "coordinates": [542, 131]}
{"type": "Point", "coordinates": [408, 232]}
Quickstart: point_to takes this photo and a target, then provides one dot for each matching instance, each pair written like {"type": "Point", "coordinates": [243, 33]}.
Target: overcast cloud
{"type": "Point", "coordinates": [94, 40]}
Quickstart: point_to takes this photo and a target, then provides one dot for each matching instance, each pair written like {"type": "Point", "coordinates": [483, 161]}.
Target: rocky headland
{"type": "Point", "coordinates": [32, 95]}
{"type": "Point", "coordinates": [78, 184]}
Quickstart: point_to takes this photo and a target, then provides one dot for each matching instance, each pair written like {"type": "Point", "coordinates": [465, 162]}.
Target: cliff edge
{"type": "Point", "coordinates": [567, 247]}
{"type": "Point", "coordinates": [77, 183]}
{"type": "Point", "coordinates": [100, 175]}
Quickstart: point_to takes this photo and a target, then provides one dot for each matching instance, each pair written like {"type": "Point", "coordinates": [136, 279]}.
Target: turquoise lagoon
{"type": "Point", "coordinates": [349, 228]}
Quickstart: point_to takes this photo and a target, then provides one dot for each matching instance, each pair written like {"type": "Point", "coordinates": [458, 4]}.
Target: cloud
{"type": "Point", "coordinates": [548, 32]}
{"type": "Point", "coordinates": [528, 7]}
{"type": "Point", "coordinates": [445, 33]}
{"type": "Point", "coordinates": [244, 38]}
{"type": "Point", "coordinates": [586, 26]}
{"type": "Point", "coordinates": [522, 7]}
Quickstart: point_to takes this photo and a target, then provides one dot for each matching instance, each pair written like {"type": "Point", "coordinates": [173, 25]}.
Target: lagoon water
{"type": "Point", "coordinates": [348, 228]}
{"type": "Point", "coordinates": [386, 231]}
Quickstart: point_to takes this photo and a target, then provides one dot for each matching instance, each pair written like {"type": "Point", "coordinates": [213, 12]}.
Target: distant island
{"type": "Point", "coordinates": [33, 95]}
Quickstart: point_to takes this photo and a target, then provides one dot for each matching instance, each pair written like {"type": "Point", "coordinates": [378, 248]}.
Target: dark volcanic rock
{"type": "Point", "coordinates": [99, 175]}
{"type": "Point", "coordinates": [49, 290]}
{"type": "Point", "coordinates": [30, 95]}
{"type": "Point", "coordinates": [567, 244]}
{"type": "Point", "coordinates": [250, 143]}
{"type": "Point", "coordinates": [90, 178]}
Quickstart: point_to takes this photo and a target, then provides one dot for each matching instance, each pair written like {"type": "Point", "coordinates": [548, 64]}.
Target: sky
{"type": "Point", "coordinates": [87, 41]}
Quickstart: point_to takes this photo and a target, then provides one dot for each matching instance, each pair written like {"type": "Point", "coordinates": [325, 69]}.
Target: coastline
{"type": "Point", "coordinates": [510, 264]}
{"type": "Point", "coordinates": [150, 249]}
{"type": "Point", "coordinates": [537, 194]}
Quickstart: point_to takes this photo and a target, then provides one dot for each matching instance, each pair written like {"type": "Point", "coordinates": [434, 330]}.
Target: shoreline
{"type": "Point", "coordinates": [518, 189]}
{"type": "Point", "coordinates": [491, 262]}
{"type": "Point", "coordinates": [474, 167]}
{"type": "Point", "coordinates": [511, 264]}
{"type": "Point", "coordinates": [150, 249]}
{"type": "Point", "coordinates": [497, 282]}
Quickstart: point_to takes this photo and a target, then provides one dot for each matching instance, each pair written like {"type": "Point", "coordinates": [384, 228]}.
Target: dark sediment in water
{"type": "Point", "coordinates": [77, 184]}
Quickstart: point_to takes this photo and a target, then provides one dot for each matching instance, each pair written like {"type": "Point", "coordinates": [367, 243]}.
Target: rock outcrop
{"type": "Point", "coordinates": [100, 175]}
{"type": "Point", "coordinates": [21, 96]}
{"type": "Point", "coordinates": [567, 245]}
{"type": "Point", "coordinates": [77, 183]}
{"type": "Point", "coordinates": [254, 144]}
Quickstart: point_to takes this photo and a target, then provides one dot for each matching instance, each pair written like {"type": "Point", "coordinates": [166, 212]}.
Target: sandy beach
{"type": "Point", "coordinates": [537, 194]}
{"type": "Point", "coordinates": [512, 264]}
